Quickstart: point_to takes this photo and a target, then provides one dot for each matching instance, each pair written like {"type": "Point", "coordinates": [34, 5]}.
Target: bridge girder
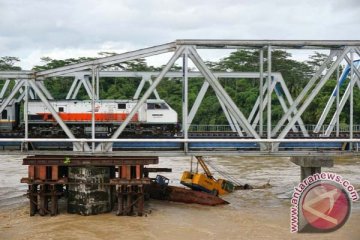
{"type": "Point", "coordinates": [188, 49]}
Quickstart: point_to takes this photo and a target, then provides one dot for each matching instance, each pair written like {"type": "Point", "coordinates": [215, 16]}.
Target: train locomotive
{"type": "Point", "coordinates": [154, 118]}
{"type": "Point", "coordinates": [10, 117]}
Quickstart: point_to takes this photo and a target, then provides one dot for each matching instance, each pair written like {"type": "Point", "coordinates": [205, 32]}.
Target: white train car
{"type": "Point", "coordinates": [114, 111]}
{"type": "Point", "coordinates": [154, 116]}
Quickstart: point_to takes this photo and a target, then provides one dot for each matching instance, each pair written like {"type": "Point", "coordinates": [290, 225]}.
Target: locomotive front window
{"type": "Point", "coordinates": [164, 106]}
{"type": "Point", "coordinates": [121, 106]}
{"type": "Point", "coordinates": [157, 106]}
{"type": "Point", "coordinates": [4, 114]}
{"type": "Point", "coordinates": [61, 109]}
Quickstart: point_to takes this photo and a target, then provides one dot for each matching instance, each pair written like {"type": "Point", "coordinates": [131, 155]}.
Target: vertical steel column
{"type": "Point", "coordinates": [93, 107]}
{"type": "Point", "coordinates": [26, 118]}
{"type": "Point", "coordinates": [97, 83]}
{"type": "Point", "coordinates": [351, 97]}
{"type": "Point", "coordinates": [185, 98]}
{"type": "Point", "coordinates": [269, 94]}
{"type": "Point", "coordinates": [261, 123]}
{"type": "Point", "coordinates": [337, 101]}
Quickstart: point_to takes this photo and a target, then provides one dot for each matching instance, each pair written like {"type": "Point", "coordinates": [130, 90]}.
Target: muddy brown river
{"type": "Point", "coordinates": [251, 214]}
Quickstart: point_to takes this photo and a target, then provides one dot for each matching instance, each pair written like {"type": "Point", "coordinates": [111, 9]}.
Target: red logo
{"type": "Point", "coordinates": [325, 207]}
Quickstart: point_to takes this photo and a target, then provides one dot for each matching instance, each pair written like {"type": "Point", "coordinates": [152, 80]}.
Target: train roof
{"type": "Point", "coordinates": [103, 100]}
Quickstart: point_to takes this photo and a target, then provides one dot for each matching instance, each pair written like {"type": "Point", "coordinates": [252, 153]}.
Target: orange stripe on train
{"type": "Point", "coordinates": [87, 117]}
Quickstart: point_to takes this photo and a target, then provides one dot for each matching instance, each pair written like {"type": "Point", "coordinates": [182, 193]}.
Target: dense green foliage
{"type": "Point", "coordinates": [8, 63]}
{"type": "Point", "coordinates": [244, 92]}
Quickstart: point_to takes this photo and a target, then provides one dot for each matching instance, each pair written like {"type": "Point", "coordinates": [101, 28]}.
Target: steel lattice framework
{"type": "Point", "coordinates": [28, 84]}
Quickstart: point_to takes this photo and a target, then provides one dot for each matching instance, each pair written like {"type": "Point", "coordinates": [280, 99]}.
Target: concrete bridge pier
{"type": "Point", "coordinates": [311, 164]}
{"type": "Point", "coordinates": [89, 190]}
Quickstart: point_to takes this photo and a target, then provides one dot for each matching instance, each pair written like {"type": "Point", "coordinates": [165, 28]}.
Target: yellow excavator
{"type": "Point", "coordinates": [205, 181]}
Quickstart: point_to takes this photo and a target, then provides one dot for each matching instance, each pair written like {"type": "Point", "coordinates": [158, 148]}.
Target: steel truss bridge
{"type": "Point", "coordinates": [244, 135]}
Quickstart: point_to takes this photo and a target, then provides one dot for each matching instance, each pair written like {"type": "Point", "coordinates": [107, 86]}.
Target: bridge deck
{"type": "Point", "coordinates": [181, 147]}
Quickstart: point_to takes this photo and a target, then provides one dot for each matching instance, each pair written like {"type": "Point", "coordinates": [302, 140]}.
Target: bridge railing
{"type": "Point", "coordinates": [210, 128]}
{"type": "Point", "coordinates": [309, 127]}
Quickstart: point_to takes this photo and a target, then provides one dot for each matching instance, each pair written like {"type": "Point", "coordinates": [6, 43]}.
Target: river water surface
{"type": "Point", "coordinates": [251, 214]}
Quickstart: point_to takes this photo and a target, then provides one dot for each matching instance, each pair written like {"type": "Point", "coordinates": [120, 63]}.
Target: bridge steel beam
{"type": "Point", "coordinates": [77, 89]}
{"type": "Point", "coordinates": [343, 100]}
{"type": "Point", "coordinates": [332, 99]}
{"type": "Point", "coordinates": [198, 100]}
{"type": "Point", "coordinates": [93, 97]}
{"type": "Point", "coordinates": [220, 91]}
{"type": "Point", "coordinates": [79, 80]}
{"type": "Point", "coordinates": [170, 74]}
{"type": "Point", "coordinates": [288, 44]}
{"type": "Point", "coordinates": [21, 97]}
{"type": "Point", "coordinates": [304, 92]}
{"type": "Point", "coordinates": [261, 94]}
{"type": "Point", "coordinates": [72, 88]}
{"type": "Point", "coordinates": [97, 89]}
{"type": "Point", "coordinates": [67, 131]}
{"type": "Point", "coordinates": [277, 79]}
{"type": "Point", "coordinates": [12, 94]}
{"type": "Point", "coordinates": [87, 85]}
{"type": "Point", "coordinates": [314, 92]}
{"type": "Point", "coordinates": [342, 103]}
{"type": "Point", "coordinates": [142, 100]}
{"type": "Point", "coordinates": [128, 56]}
{"type": "Point", "coordinates": [185, 96]}
{"type": "Point", "coordinates": [337, 101]}
{"type": "Point", "coordinates": [352, 77]}
{"type": "Point", "coordinates": [4, 88]}
{"type": "Point", "coordinates": [291, 102]}
{"type": "Point", "coordinates": [269, 92]}
{"type": "Point", "coordinates": [139, 88]}
{"type": "Point", "coordinates": [230, 118]}
{"type": "Point", "coordinates": [44, 89]}
{"type": "Point", "coordinates": [145, 78]}
{"type": "Point", "coordinates": [265, 100]}
{"type": "Point", "coordinates": [200, 96]}
{"type": "Point", "coordinates": [22, 94]}
{"type": "Point", "coordinates": [157, 96]}
{"type": "Point", "coordinates": [26, 115]}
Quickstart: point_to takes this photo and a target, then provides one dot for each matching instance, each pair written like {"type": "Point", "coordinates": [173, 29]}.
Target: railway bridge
{"type": "Point", "coordinates": [25, 92]}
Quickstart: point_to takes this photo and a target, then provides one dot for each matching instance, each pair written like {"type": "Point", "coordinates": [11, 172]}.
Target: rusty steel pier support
{"type": "Point", "coordinates": [44, 188]}
{"type": "Point", "coordinates": [130, 186]}
{"type": "Point", "coordinates": [93, 178]}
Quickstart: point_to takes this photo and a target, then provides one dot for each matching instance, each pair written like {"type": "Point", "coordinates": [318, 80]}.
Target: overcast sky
{"type": "Point", "coordinates": [31, 29]}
